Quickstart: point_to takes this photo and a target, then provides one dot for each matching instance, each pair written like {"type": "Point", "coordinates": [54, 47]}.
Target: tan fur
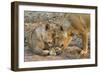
{"type": "Point", "coordinates": [78, 24]}
{"type": "Point", "coordinates": [40, 39]}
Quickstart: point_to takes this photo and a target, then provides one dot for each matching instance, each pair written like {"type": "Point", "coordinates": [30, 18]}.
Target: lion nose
{"type": "Point", "coordinates": [58, 50]}
{"type": "Point", "coordinates": [56, 36]}
{"type": "Point", "coordinates": [50, 43]}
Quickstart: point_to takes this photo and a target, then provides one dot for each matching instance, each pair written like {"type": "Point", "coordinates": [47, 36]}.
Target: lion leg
{"type": "Point", "coordinates": [41, 52]}
{"type": "Point", "coordinates": [39, 49]}
{"type": "Point", "coordinates": [67, 41]}
{"type": "Point", "coordinates": [85, 44]}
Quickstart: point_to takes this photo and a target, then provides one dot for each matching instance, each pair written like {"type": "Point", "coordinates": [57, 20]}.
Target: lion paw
{"type": "Point", "coordinates": [84, 53]}
{"type": "Point", "coordinates": [45, 52]}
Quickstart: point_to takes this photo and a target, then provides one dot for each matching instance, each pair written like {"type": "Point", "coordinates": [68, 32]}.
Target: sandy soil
{"type": "Point", "coordinates": [69, 53]}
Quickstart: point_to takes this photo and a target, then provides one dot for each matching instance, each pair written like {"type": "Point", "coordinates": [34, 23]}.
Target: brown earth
{"type": "Point", "coordinates": [69, 53]}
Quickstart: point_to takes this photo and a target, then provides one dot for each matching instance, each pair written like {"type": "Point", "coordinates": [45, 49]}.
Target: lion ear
{"type": "Point", "coordinates": [47, 26]}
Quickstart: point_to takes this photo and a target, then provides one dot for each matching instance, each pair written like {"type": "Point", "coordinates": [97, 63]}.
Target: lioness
{"type": "Point", "coordinates": [40, 39]}
{"type": "Point", "coordinates": [78, 24]}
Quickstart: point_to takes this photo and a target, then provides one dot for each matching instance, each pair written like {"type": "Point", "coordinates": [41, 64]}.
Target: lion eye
{"type": "Point", "coordinates": [49, 42]}
{"type": "Point", "coordinates": [61, 28]}
{"type": "Point", "coordinates": [71, 34]}
{"type": "Point", "coordinates": [62, 45]}
{"type": "Point", "coordinates": [47, 26]}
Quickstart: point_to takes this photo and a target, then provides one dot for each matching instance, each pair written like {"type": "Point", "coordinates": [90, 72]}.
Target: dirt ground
{"type": "Point", "coordinates": [72, 52]}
